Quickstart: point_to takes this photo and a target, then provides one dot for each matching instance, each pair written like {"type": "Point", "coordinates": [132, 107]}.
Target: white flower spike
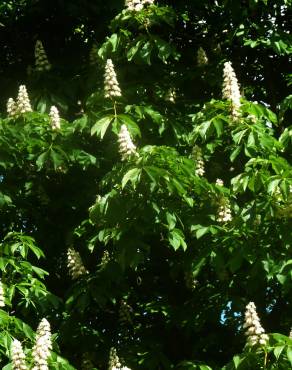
{"type": "Point", "coordinates": [43, 346]}
{"type": "Point", "coordinates": [199, 160]}
{"type": "Point", "coordinates": [137, 5]}
{"type": "Point", "coordinates": [54, 118]}
{"type": "Point", "coordinates": [75, 264]}
{"type": "Point", "coordinates": [18, 356]}
{"type": "Point", "coordinates": [254, 331]}
{"type": "Point", "coordinates": [126, 145]}
{"type": "Point", "coordinates": [23, 102]}
{"type": "Point", "coordinates": [202, 58]}
{"type": "Point", "coordinates": [2, 296]}
{"type": "Point", "coordinates": [111, 85]}
{"type": "Point", "coordinates": [230, 89]}
{"type": "Point", "coordinates": [11, 108]}
{"type": "Point", "coordinates": [41, 60]}
{"type": "Point", "coordinates": [224, 212]}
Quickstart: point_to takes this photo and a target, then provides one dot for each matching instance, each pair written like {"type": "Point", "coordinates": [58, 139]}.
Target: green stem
{"type": "Point", "coordinates": [115, 109]}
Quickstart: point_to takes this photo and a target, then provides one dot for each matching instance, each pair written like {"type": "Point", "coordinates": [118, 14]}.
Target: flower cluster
{"type": "Point", "coordinates": [171, 95]}
{"type": "Point", "coordinates": [54, 118]}
{"type": "Point", "coordinates": [2, 296]}
{"type": "Point", "coordinates": [126, 145]}
{"type": "Point", "coordinates": [17, 356]}
{"type": "Point", "coordinates": [111, 85]}
{"type": "Point", "coordinates": [230, 89]}
{"type": "Point", "coordinates": [105, 259]}
{"type": "Point", "coordinates": [93, 55]}
{"type": "Point", "coordinates": [224, 211]}
{"type": "Point", "coordinates": [11, 108]}
{"type": "Point", "coordinates": [114, 361]}
{"type": "Point", "coordinates": [255, 332]}
{"type": "Point", "coordinates": [191, 282]}
{"type": "Point", "coordinates": [198, 158]}
{"type": "Point", "coordinates": [21, 105]}
{"type": "Point", "coordinates": [23, 102]}
{"type": "Point", "coordinates": [219, 182]}
{"type": "Point", "coordinates": [125, 313]}
{"type": "Point", "coordinates": [137, 5]}
{"type": "Point", "coordinates": [86, 362]}
{"type": "Point", "coordinates": [43, 346]}
{"type": "Point", "coordinates": [41, 60]}
{"type": "Point", "coordinates": [75, 265]}
{"type": "Point", "coordinates": [202, 58]}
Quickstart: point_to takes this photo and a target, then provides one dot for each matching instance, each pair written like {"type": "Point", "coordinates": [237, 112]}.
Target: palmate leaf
{"type": "Point", "coordinates": [101, 126]}
{"type": "Point", "coordinates": [133, 176]}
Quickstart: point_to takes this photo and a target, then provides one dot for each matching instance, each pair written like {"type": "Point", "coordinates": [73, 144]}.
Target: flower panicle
{"type": "Point", "coordinates": [137, 5]}
{"type": "Point", "coordinates": [254, 331]}
{"type": "Point", "coordinates": [55, 118]}
{"type": "Point", "coordinates": [86, 362]}
{"type": "Point", "coordinates": [125, 313]}
{"type": "Point", "coordinates": [224, 211]}
{"type": "Point", "coordinates": [197, 156]}
{"type": "Point", "coordinates": [19, 106]}
{"type": "Point", "coordinates": [11, 108]}
{"type": "Point", "coordinates": [114, 361]}
{"type": "Point", "coordinates": [111, 85]}
{"type": "Point", "coordinates": [41, 60]}
{"type": "Point", "coordinates": [2, 295]}
{"type": "Point", "coordinates": [75, 264]}
{"type": "Point", "coordinates": [43, 346]}
{"type": "Point", "coordinates": [202, 58]}
{"type": "Point", "coordinates": [230, 89]}
{"type": "Point", "coordinates": [93, 55]}
{"type": "Point", "coordinates": [126, 146]}
{"type": "Point", "coordinates": [17, 356]}
{"type": "Point", "coordinates": [23, 103]}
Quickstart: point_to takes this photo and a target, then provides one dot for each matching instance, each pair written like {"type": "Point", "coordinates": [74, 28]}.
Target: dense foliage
{"type": "Point", "coordinates": [144, 221]}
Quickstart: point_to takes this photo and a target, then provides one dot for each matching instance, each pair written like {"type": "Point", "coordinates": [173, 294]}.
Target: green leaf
{"type": "Point", "coordinates": [145, 52]}
{"type": "Point", "coordinates": [201, 232]}
{"type": "Point", "coordinates": [278, 350]}
{"type": "Point", "coordinates": [130, 123]}
{"type": "Point", "coordinates": [57, 159]}
{"type": "Point", "coordinates": [171, 220]}
{"type": "Point", "coordinates": [273, 186]}
{"type": "Point", "coordinates": [234, 154]}
{"type": "Point", "coordinates": [289, 354]}
{"type": "Point", "coordinates": [132, 175]}
{"type": "Point", "coordinates": [134, 49]}
{"type": "Point", "coordinates": [218, 124]}
{"type": "Point", "coordinates": [100, 127]}
{"type": "Point", "coordinates": [164, 49]}
{"type": "Point", "coordinates": [176, 239]}
{"type": "Point", "coordinates": [236, 360]}
{"type": "Point", "coordinates": [42, 159]}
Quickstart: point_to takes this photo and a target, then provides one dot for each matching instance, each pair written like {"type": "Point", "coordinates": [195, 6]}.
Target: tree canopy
{"type": "Point", "coordinates": [146, 184]}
